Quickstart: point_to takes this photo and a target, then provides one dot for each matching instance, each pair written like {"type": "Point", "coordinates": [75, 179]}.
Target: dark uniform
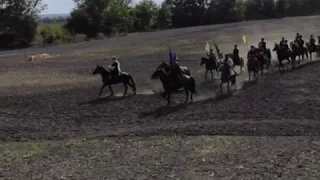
{"type": "Point", "coordinates": [297, 37]}
{"type": "Point", "coordinates": [300, 41]}
{"type": "Point", "coordinates": [235, 53]}
{"type": "Point", "coordinates": [252, 54]}
{"type": "Point", "coordinates": [282, 42]}
{"type": "Point", "coordinates": [263, 44]}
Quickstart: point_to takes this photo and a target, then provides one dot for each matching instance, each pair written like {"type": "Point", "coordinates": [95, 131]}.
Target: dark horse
{"type": "Point", "coordinates": [171, 81]}
{"type": "Point", "coordinates": [210, 65]}
{"type": "Point", "coordinates": [237, 61]}
{"type": "Point", "coordinates": [253, 66]}
{"type": "Point", "coordinates": [300, 51]}
{"type": "Point", "coordinates": [283, 54]}
{"type": "Point", "coordinates": [226, 77]}
{"type": "Point", "coordinates": [264, 58]}
{"type": "Point", "coordinates": [311, 49]}
{"type": "Point", "coordinates": [109, 79]}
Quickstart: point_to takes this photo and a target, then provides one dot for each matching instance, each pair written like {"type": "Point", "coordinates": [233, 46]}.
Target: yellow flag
{"type": "Point", "coordinates": [244, 39]}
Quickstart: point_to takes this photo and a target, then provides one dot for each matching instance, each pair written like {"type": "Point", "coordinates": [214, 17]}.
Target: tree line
{"type": "Point", "coordinates": [19, 19]}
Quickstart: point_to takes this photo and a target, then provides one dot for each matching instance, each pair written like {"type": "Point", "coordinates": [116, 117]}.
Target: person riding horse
{"type": "Point", "coordinates": [252, 54]}
{"type": "Point", "coordinates": [212, 56]}
{"type": "Point", "coordinates": [115, 68]}
{"type": "Point", "coordinates": [282, 42]}
{"type": "Point", "coordinates": [312, 42]}
{"type": "Point", "coordinates": [228, 64]}
{"type": "Point", "coordinates": [300, 41]}
{"type": "Point", "coordinates": [235, 54]}
{"type": "Point", "coordinates": [297, 37]}
{"type": "Point", "coordinates": [263, 45]}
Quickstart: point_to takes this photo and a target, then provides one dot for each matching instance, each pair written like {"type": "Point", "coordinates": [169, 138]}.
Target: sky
{"type": "Point", "coordinates": [61, 6]}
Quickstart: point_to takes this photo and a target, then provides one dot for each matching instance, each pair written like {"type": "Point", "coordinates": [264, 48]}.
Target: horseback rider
{"type": "Point", "coordinates": [235, 53]}
{"type": "Point", "coordinates": [286, 45]}
{"type": "Point", "coordinates": [212, 56]}
{"type": "Point", "coordinates": [252, 54]}
{"type": "Point", "coordinates": [228, 63]}
{"type": "Point", "coordinates": [297, 37]}
{"type": "Point", "coordinates": [300, 41]}
{"type": "Point", "coordinates": [282, 42]}
{"type": "Point", "coordinates": [263, 45]}
{"type": "Point", "coordinates": [115, 68]}
{"type": "Point", "coordinates": [312, 42]}
{"type": "Point", "coordinates": [318, 40]}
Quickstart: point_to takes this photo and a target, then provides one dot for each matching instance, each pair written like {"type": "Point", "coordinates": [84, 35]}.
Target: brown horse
{"type": "Point", "coordinates": [210, 65]}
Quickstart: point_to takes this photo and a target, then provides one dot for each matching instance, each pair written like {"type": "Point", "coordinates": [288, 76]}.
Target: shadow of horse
{"type": "Point", "coordinates": [105, 100]}
{"type": "Point", "coordinates": [167, 110]}
{"type": "Point", "coordinates": [164, 110]}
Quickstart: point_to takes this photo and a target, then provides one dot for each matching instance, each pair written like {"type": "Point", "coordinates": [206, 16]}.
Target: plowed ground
{"type": "Point", "coordinates": [54, 126]}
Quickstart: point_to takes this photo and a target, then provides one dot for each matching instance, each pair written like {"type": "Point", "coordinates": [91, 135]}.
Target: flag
{"type": "Point", "coordinates": [207, 47]}
{"type": "Point", "coordinates": [170, 56]}
{"type": "Point", "coordinates": [218, 50]}
{"type": "Point", "coordinates": [244, 39]}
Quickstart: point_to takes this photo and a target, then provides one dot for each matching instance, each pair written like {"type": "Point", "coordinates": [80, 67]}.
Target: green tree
{"type": "Point", "coordinates": [18, 21]}
{"type": "Point", "coordinates": [145, 13]}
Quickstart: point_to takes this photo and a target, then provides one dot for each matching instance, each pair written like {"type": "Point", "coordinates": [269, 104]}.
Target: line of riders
{"type": "Point", "coordinates": [173, 76]}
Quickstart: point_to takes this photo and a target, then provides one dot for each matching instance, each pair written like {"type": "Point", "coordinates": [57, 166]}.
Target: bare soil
{"type": "Point", "coordinates": [54, 126]}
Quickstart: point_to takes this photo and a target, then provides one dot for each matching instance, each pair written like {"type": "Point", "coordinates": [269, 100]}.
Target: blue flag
{"type": "Point", "coordinates": [170, 56]}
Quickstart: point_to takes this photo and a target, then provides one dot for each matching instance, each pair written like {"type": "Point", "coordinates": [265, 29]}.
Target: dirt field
{"type": "Point", "coordinates": [52, 126]}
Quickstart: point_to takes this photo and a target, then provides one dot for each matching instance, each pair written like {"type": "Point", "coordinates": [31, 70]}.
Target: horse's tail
{"type": "Point", "coordinates": [193, 85]}
{"type": "Point", "coordinates": [132, 82]}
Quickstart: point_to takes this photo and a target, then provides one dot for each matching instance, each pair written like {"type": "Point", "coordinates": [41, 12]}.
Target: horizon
{"type": "Point", "coordinates": [63, 6]}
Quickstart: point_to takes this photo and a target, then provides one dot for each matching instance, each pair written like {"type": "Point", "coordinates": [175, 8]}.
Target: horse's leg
{"type": "Point", "coordinates": [221, 87]}
{"type": "Point", "coordinates": [205, 76]}
{"type": "Point", "coordinates": [187, 94]}
{"type": "Point", "coordinates": [211, 74]}
{"type": "Point", "coordinates": [249, 76]}
{"type": "Point", "coordinates": [125, 89]}
{"type": "Point", "coordinates": [169, 96]}
{"type": "Point", "coordinates": [111, 90]}
{"type": "Point", "coordinates": [103, 86]}
{"type": "Point", "coordinates": [228, 85]}
{"type": "Point", "coordinates": [191, 96]}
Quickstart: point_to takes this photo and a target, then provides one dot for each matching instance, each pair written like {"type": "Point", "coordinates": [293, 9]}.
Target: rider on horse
{"type": "Point", "coordinates": [300, 41]}
{"type": "Point", "coordinates": [115, 68]}
{"type": "Point", "coordinates": [297, 37]}
{"type": "Point", "coordinates": [263, 45]}
{"type": "Point", "coordinates": [312, 42]}
{"type": "Point", "coordinates": [282, 42]}
{"type": "Point", "coordinates": [212, 56]}
{"type": "Point", "coordinates": [252, 54]}
{"type": "Point", "coordinates": [235, 53]}
{"type": "Point", "coordinates": [228, 63]}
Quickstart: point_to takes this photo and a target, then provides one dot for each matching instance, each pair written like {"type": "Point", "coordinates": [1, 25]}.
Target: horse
{"type": "Point", "coordinates": [210, 65]}
{"type": "Point", "coordinates": [253, 66]}
{"type": "Point", "coordinates": [300, 51]}
{"type": "Point", "coordinates": [311, 49]}
{"type": "Point", "coordinates": [264, 57]}
{"type": "Point", "coordinates": [226, 77]}
{"type": "Point", "coordinates": [238, 61]}
{"type": "Point", "coordinates": [109, 79]}
{"type": "Point", "coordinates": [318, 50]}
{"type": "Point", "coordinates": [283, 54]}
{"type": "Point", "coordinates": [171, 81]}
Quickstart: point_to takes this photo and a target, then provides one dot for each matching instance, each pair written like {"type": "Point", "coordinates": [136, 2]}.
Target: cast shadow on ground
{"type": "Point", "coordinates": [167, 110]}
{"type": "Point", "coordinates": [105, 100]}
